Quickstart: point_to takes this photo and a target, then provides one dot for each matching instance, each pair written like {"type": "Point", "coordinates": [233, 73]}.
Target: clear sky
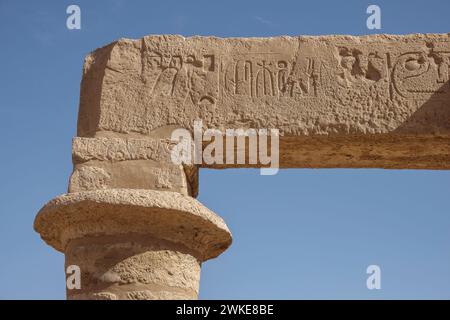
{"type": "Point", "coordinates": [298, 234]}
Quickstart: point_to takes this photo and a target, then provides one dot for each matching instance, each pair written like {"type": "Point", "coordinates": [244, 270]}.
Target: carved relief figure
{"type": "Point", "coordinates": [282, 78]}
{"type": "Point", "coordinates": [420, 75]}
{"type": "Point", "coordinates": [358, 77]}
{"type": "Point", "coordinates": [179, 77]}
{"type": "Point", "coordinates": [243, 77]}
{"type": "Point", "coordinates": [443, 62]}
{"type": "Point", "coordinates": [359, 69]}
{"type": "Point", "coordinates": [270, 76]}
{"type": "Point", "coordinates": [303, 78]}
{"type": "Point", "coordinates": [265, 80]}
{"type": "Point", "coordinates": [173, 79]}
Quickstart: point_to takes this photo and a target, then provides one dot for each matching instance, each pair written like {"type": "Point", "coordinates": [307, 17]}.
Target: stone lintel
{"type": "Point", "coordinates": [338, 101]}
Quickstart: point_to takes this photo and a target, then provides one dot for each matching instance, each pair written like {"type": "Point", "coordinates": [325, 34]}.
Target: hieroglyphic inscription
{"type": "Point", "coordinates": [354, 73]}
{"type": "Point", "coordinates": [182, 77]}
{"type": "Point", "coordinates": [271, 75]}
{"type": "Point", "coordinates": [356, 76]}
{"type": "Point", "coordinates": [363, 74]}
{"type": "Point", "coordinates": [419, 75]}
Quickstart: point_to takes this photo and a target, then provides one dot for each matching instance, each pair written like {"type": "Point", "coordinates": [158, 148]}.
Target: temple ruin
{"type": "Point", "coordinates": [130, 219]}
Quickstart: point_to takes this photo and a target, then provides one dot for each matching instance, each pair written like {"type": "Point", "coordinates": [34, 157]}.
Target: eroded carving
{"type": "Point", "coordinates": [277, 75]}
{"type": "Point", "coordinates": [178, 77]}
{"type": "Point", "coordinates": [420, 75]}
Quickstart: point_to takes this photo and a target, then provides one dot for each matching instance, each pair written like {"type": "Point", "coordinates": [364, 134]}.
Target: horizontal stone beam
{"type": "Point", "coordinates": [338, 101]}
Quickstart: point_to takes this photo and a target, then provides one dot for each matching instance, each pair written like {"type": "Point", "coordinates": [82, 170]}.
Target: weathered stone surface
{"type": "Point", "coordinates": [164, 215]}
{"type": "Point", "coordinates": [338, 95]}
{"type": "Point", "coordinates": [134, 267]}
{"type": "Point", "coordinates": [111, 163]}
{"type": "Point", "coordinates": [117, 149]}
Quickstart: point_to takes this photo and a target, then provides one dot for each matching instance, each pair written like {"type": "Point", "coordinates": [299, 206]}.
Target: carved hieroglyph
{"type": "Point", "coordinates": [129, 220]}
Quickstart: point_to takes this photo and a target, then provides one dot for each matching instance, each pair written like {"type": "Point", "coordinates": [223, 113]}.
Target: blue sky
{"type": "Point", "coordinates": [299, 234]}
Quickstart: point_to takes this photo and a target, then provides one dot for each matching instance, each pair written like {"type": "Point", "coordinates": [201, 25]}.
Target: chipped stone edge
{"type": "Point", "coordinates": [58, 213]}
